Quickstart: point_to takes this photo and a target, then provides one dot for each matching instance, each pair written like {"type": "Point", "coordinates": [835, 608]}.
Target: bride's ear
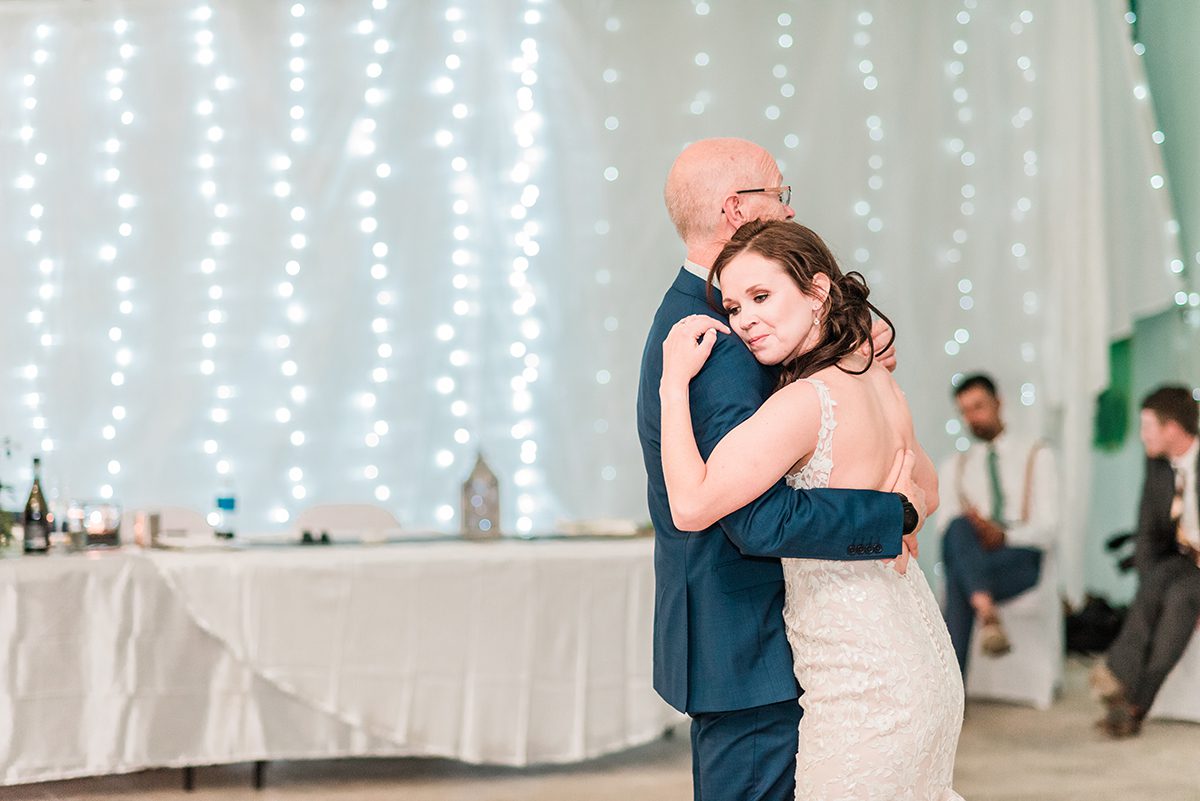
{"type": "Point", "coordinates": [820, 288]}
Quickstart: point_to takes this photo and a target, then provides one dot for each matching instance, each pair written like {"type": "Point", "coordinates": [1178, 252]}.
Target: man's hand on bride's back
{"type": "Point", "coordinates": [884, 341]}
{"type": "Point", "coordinates": [687, 347]}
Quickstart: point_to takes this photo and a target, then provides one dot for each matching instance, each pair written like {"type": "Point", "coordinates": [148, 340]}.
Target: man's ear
{"type": "Point", "coordinates": [735, 212]}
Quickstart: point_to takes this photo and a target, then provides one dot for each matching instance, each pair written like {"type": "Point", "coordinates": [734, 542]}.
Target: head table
{"type": "Point", "coordinates": [502, 652]}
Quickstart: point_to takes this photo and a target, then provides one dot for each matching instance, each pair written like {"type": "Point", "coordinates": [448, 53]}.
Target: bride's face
{"type": "Point", "coordinates": [767, 309]}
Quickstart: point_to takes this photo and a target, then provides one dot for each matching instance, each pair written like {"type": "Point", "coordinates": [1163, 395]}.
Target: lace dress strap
{"type": "Point", "coordinates": [818, 468]}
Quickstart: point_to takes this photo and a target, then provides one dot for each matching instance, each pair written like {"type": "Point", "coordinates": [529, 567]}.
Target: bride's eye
{"type": "Point", "coordinates": [732, 311]}
{"type": "Point", "coordinates": [759, 298]}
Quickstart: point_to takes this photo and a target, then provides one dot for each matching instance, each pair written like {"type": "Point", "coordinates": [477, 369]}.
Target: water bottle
{"type": "Point", "coordinates": [226, 512]}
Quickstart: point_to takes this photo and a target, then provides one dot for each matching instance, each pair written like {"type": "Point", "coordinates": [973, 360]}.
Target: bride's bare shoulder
{"type": "Point", "coordinates": [800, 391]}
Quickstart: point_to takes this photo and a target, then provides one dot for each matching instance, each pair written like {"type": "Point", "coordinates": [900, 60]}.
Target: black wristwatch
{"type": "Point", "coordinates": [911, 518]}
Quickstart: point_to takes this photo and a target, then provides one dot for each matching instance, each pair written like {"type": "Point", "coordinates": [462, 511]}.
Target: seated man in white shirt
{"type": "Point", "coordinates": [1163, 616]}
{"type": "Point", "coordinates": [999, 515]}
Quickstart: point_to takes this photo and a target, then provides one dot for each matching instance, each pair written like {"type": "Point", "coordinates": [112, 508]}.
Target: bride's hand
{"type": "Point", "coordinates": [900, 563]}
{"type": "Point", "coordinates": [900, 480]}
{"type": "Point", "coordinates": [687, 347]}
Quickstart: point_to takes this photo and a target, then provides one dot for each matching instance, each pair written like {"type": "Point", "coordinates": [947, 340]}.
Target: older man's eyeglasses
{"type": "Point", "coordinates": [784, 193]}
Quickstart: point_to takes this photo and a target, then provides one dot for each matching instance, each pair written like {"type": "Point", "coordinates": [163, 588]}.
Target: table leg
{"type": "Point", "coordinates": [259, 768]}
{"type": "Point", "coordinates": [189, 779]}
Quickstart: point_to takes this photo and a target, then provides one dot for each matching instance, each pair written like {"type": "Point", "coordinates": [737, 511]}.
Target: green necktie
{"type": "Point", "coordinates": [997, 491]}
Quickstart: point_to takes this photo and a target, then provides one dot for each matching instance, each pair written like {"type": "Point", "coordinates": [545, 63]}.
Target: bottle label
{"type": "Point", "coordinates": [37, 536]}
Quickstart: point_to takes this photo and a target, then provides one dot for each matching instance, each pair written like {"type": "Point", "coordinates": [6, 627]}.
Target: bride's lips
{"type": "Point", "coordinates": [755, 340]}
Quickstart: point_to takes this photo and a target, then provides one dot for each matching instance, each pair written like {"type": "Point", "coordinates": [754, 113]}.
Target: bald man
{"type": "Point", "coordinates": [721, 654]}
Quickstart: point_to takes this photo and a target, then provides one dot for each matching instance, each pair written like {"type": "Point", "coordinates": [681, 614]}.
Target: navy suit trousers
{"type": "Point", "coordinates": [746, 754]}
{"type": "Point", "coordinates": [1005, 573]}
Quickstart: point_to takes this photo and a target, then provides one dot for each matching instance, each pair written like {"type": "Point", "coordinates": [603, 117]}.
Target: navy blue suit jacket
{"type": "Point", "coordinates": [719, 640]}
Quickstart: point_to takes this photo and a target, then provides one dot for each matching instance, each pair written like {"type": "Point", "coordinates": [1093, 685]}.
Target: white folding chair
{"type": "Point", "coordinates": [1179, 698]}
{"type": "Point", "coordinates": [1032, 672]}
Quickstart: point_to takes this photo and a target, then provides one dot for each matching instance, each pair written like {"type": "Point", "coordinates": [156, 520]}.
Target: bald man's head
{"type": "Point", "coordinates": [704, 175]}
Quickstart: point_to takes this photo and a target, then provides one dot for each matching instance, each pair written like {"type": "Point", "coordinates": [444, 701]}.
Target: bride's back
{"type": "Point", "coordinates": [873, 425]}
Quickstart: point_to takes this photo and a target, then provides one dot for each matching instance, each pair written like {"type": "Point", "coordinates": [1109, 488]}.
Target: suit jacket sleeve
{"type": "Point", "coordinates": [1151, 544]}
{"type": "Point", "coordinates": [815, 524]}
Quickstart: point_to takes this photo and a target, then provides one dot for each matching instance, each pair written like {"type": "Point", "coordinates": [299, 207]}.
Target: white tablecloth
{"type": "Point", "coordinates": [504, 653]}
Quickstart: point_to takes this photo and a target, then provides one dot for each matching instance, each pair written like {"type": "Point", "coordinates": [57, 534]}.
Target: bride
{"type": "Point", "coordinates": [883, 696]}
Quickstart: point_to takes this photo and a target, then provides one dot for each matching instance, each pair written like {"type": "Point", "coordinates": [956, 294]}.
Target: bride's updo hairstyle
{"type": "Point", "coordinates": [846, 313]}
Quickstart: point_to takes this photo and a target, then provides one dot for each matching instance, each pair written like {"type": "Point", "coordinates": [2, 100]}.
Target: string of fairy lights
{"type": "Point", "coordinates": [41, 306]}
{"type": "Point", "coordinates": [1189, 301]}
{"type": "Point", "coordinates": [287, 413]}
{"type": "Point", "coordinates": [455, 332]}
{"type": "Point", "coordinates": [958, 149]}
{"type": "Point", "coordinates": [523, 175]}
{"type": "Point", "coordinates": [113, 256]}
{"type": "Point", "coordinates": [867, 212]}
{"type": "Point", "coordinates": [1023, 206]}
{"type": "Point", "coordinates": [213, 249]}
{"type": "Point", "coordinates": [382, 324]}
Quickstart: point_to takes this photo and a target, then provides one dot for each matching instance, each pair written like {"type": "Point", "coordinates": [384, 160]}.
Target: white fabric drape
{"type": "Point", "coordinates": [495, 170]}
{"type": "Point", "coordinates": [500, 653]}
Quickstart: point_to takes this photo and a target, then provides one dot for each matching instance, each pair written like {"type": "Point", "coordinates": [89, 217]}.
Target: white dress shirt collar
{"type": "Point", "coordinates": [999, 442]}
{"type": "Point", "coordinates": [699, 272]}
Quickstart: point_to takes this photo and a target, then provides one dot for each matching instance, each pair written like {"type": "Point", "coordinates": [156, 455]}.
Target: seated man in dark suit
{"type": "Point", "coordinates": [1164, 612]}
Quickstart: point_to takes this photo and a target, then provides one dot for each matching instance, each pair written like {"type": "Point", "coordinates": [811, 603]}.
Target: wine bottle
{"type": "Point", "coordinates": [37, 515]}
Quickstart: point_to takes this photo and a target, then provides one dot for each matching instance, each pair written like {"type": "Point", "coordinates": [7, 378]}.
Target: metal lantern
{"type": "Point", "coordinates": [481, 502]}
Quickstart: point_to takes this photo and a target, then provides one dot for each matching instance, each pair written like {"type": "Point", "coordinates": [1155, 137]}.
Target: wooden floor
{"type": "Point", "coordinates": [1006, 753]}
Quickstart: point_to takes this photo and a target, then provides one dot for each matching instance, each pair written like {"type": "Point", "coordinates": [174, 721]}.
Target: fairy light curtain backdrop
{"type": "Point", "coordinates": [326, 252]}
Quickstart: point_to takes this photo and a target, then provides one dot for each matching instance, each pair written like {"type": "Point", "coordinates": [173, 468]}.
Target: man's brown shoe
{"type": "Point", "coordinates": [1122, 721]}
{"type": "Point", "coordinates": [992, 639]}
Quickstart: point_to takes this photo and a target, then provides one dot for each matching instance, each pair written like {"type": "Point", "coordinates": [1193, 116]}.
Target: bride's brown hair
{"type": "Point", "coordinates": [846, 312]}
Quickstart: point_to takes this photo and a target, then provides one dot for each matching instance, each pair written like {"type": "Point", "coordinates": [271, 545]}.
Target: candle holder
{"type": "Point", "coordinates": [94, 524]}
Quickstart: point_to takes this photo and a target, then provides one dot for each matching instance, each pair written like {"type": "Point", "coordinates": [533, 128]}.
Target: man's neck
{"type": "Point", "coordinates": [704, 256]}
{"type": "Point", "coordinates": [705, 253]}
{"type": "Point", "coordinates": [1181, 448]}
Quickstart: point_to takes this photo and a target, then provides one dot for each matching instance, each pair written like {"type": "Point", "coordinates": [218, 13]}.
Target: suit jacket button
{"type": "Point", "coordinates": [849, 549]}
{"type": "Point", "coordinates": [878, 548]}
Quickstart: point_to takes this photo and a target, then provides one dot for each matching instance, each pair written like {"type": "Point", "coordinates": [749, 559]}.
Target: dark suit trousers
{"type": "Point", "coordinates": [1005, 573]}
{"type": "Point", "coordinates": [1160, 623]}
{"type": "Point", "coordinates": [746, 754]}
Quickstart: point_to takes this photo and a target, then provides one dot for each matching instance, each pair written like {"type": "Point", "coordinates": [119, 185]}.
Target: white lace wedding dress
{"type": "Point", "coordinates": [883, 696]}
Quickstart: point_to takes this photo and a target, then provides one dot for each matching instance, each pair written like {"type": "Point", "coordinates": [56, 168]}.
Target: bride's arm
{"type": "Point", "coordinates": [748, 460]}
